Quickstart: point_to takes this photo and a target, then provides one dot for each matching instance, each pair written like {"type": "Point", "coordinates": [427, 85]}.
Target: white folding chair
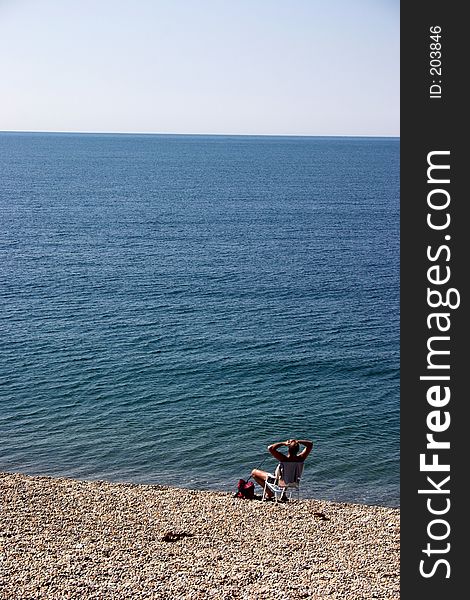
{"type": "Point", "coordinates": [284, 492]}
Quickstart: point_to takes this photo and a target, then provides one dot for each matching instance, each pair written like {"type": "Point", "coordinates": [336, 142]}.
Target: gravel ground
{"type": "Point", "coordinates": [62, 538]}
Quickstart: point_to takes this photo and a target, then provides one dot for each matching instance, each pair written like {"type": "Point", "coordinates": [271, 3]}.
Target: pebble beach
{"type": "Point", "coordinates": [68, 539]}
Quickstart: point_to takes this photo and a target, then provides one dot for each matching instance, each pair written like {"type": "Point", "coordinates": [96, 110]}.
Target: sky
{"type": "Point", "coordinates": [266, 67]}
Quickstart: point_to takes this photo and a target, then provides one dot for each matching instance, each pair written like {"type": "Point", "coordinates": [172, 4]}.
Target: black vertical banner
{"type": "Point", "coordinates": [434, 301]}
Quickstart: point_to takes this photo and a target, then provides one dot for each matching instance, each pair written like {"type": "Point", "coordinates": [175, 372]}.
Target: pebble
{"type": "Point", "coordinates": [68, 539]}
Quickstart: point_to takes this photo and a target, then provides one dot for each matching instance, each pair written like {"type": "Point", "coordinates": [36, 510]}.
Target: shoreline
{"type": "Point", "coordinates": [68, 538]}
{"type": "Point", "coordinates": [229, 488]}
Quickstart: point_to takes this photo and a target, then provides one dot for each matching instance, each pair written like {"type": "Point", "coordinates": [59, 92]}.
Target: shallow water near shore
{"type": "Point", "coordinates": [172, 304]}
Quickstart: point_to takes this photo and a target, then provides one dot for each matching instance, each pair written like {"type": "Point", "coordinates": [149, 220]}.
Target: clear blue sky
{"type": "Point", "coordinates": [303, 67]}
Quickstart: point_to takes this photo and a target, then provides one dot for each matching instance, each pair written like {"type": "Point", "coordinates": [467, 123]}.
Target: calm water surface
{"type": "Point", "coordinates": [172, 304]}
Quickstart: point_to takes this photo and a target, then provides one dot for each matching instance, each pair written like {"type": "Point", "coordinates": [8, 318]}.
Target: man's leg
{"type": "Point", "coordinates": [260, 478]}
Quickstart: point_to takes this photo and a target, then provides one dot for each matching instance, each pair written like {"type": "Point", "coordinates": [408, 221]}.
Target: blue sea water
{"type": "Point", "coordinates": [173, 304]}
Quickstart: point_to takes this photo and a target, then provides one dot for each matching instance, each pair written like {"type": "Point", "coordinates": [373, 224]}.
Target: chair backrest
{"type": "Point", "coordinates": [291, 472]}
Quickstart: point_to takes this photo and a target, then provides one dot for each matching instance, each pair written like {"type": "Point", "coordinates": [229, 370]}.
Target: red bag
{"type": "Point", "coordinates": [246, 489]}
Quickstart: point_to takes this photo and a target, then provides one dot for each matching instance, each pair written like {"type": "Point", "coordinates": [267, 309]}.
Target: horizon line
{"type": "Point", "coordinates": [307, 135]}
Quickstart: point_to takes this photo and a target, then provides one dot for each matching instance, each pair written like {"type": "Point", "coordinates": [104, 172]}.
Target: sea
{"type": "Point", "coordinates": [172, 304]}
